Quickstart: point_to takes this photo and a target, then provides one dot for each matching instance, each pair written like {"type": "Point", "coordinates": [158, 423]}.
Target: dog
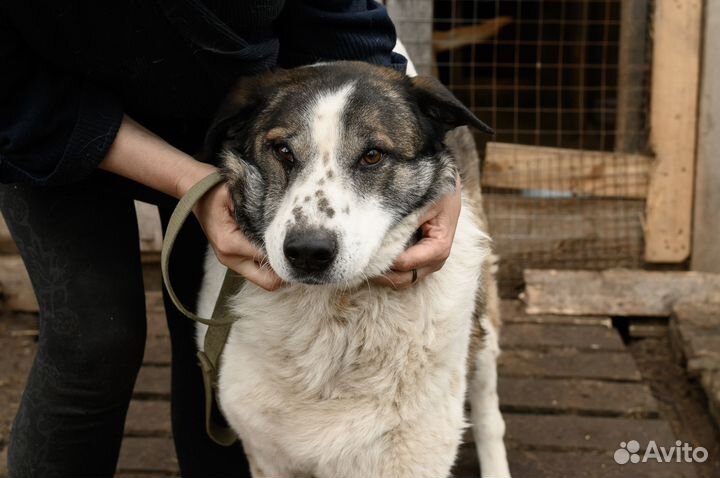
{"type": "Point", "coordinates": [330, 168]}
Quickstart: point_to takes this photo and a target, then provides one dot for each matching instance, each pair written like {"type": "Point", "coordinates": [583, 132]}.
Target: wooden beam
{"type": "Point", "coordinates": [591, 173]}
{"type": "Point", "coordinates": [632, 65]}
{"type": "Point", "coordinates": [706, 223]}
{"type": "Point", "coordinates": [615, 292]}
{"type": "Point", "coordinates": [413, 21]}
{"type": "Point", "coordinates": [673, 127]}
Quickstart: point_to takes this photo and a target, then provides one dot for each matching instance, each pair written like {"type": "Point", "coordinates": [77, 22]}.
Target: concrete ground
{"type": "Point", "coordinates": [571, 392]}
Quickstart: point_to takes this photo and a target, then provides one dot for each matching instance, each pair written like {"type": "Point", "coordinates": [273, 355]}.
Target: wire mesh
{"type": "Point", "coordinates": [567, 81]}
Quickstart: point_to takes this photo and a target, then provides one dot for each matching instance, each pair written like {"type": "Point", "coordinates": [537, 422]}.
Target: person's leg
{"type": "Point", "coordinates": [80, 246]}
{"type": "Point", "coordinates": [197, 454]}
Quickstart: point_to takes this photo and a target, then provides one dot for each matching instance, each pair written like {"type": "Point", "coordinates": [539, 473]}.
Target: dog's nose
{"type": "Point", "coordinates": [310, 251]}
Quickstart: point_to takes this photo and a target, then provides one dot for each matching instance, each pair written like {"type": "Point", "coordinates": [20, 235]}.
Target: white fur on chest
{"type": "Point", "coordinates": [330, 382]}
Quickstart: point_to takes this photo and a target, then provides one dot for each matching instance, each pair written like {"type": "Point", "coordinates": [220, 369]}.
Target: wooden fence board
{"type": "Point", "coordinates": [591, 173]}
{"type": "Point", "coordinates": [673, 128]}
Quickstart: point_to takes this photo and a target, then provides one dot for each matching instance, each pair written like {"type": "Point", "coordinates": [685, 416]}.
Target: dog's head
{"type": "Point", "coordinates": [329, 166]}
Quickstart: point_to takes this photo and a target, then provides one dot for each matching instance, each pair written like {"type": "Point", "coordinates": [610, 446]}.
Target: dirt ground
{"type": "Point", "coordinates": [681, 400]}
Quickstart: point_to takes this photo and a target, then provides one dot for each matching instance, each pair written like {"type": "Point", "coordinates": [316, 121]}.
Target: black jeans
{"type": "Point", "coordinates": [80, 246]}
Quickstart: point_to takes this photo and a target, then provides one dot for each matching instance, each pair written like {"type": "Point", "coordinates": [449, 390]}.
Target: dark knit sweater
{"type": "Point", "coordinates": [70, 69]}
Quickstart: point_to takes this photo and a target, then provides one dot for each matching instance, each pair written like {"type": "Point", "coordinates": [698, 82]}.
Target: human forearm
{"type": "Point", "coordinates": [142, 156]}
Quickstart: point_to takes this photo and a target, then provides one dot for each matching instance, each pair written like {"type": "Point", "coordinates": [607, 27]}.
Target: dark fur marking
{"type": "Point", "coordinates": [330, 174]}
{"type": "Point", "coordinates": [324, 206]}
{"type": "Point", "coordinates": [299, 215]}
{"type": "Point", "coordinates": [321, 182]}
{"type": "Point", "coordinates": [307, 198]}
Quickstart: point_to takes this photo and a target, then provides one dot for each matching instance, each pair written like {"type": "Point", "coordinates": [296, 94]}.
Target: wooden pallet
{"type": "Point", "coordinates": [570, 393]}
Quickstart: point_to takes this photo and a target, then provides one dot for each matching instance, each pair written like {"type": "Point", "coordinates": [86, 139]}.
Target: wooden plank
{"type": "Point", "coordinates": [148, 418]}
{"type": "Point", "coordinates": [632, 70]}
{"type": "Point", "coordinates": [147, 455]}
{"type": "Point", "coordinates": [157, 324]}
{"type": "Point", "coordinates": [154, 301]}
{"type": "Point", "coordinates": [673, 128]}
{"type": "Point", "coordinates": [581, 337]}
{"type": "Point", "coordinates": [155, 309]}
{"type": "Point", "coordinates": [571, 463]}
{"type": "Point", "coordinates": [579, 432]}
{"type": "Point", "coordinates": [579, 464]}
{"type": "Point", "coordinates": [569, 363]}
{"type": "Point", "coordinates": [616, 292]}
{"type": "Point", "coordinates": [7, 244]}
{"type": "Point", "coordinates": [513, 312]}
{"type": "Point", "coordinates": [17, 291]}
{"type": "Point", "coordinates": [582, 320]}
{"type": "Point", "coordinates": [153, 383]}
{"type": "Point", "coordinates": [706, 221]}
{"type": "Point", "coordinates": [157, 351]}
{"type": "Point", "coordinates": [413, 21]}
{"type": "Point", "coordinates": [589, 173]}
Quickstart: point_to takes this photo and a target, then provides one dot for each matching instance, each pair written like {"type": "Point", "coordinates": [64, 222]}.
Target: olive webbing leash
{"type": "Point", "coordinates": [220, 323]}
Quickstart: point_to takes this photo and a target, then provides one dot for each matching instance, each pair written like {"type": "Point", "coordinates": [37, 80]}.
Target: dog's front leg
{"type": "Point", "coordinates": [487, 421]}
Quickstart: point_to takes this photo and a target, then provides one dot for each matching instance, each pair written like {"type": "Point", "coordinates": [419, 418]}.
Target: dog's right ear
{"type": "Point", "coordinates": [236, 110]}
{"type": "Point", "coordinates": [442, 107]}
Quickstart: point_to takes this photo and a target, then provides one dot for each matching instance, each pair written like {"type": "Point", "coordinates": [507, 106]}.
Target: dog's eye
{"type": "Point", "coordinates": [371, 157]}
{"type": "Point", "coordinates": [284, 153]}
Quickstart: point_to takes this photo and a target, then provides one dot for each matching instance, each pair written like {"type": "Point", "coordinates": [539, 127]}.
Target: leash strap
{"type": "Point", "coordinates": [179, 215]}
{"type": "Point", "coordinates": [219, 326]}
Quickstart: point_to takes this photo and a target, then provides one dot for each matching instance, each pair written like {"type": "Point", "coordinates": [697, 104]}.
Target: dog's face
{"type": "Point", "coordinates": [330, 165]}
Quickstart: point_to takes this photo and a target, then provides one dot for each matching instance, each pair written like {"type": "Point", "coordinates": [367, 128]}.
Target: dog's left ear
{"type": "Point", "coordinates": [441, 106]}
{"type": "Point", "coordinates": [238, 107]}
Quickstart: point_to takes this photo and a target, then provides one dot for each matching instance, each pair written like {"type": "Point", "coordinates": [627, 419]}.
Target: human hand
{"type": "Point", "coordinates": [438, 226]}
{"type": "Point", "coordinates": [215, 212]}
{"type": "Point", "coordinates": [142, 156]}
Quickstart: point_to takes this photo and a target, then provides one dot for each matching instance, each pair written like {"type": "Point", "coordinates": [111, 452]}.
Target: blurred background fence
{"type": "Point", "coordinates": [565, 83]}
